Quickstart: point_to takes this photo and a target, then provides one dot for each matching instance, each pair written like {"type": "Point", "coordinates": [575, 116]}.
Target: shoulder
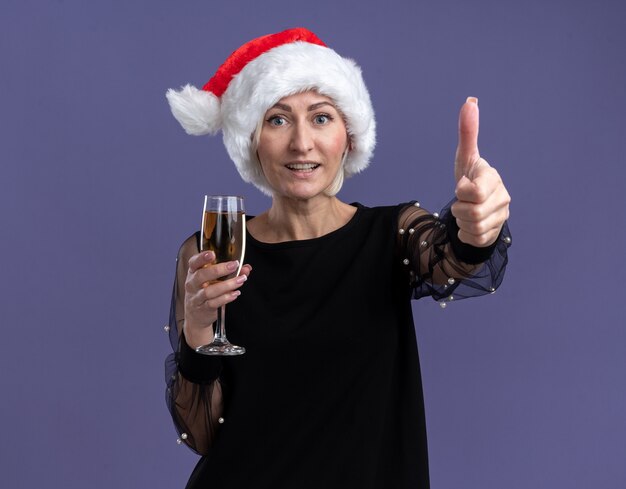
{"type": "Point", "coordinates": [378, 220]}
{"type": "Point", "coordinates": [381, 211]}
{"type": "Point", "coordinates": [189, 247]}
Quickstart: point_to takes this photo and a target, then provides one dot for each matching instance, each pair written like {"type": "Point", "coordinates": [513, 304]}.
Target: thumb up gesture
{"type": "Point", "coordinates": [482, 203]}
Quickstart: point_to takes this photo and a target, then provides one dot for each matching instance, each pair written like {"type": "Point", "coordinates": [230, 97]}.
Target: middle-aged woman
{"type": "Point", "coordinates": [329, 392]}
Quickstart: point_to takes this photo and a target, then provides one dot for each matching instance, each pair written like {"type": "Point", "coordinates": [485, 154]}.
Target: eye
{"type": "Point", "coordinates": [276, 120]}
{"type": "Point", "coordinates": [322, 119]}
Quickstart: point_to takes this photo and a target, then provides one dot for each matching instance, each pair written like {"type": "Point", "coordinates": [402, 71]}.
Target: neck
{"type": "Point", "coordinates": [293, 220]}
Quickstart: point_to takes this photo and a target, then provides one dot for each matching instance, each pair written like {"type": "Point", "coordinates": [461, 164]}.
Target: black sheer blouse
{"type": "Point", "coordinates": [427, 259]}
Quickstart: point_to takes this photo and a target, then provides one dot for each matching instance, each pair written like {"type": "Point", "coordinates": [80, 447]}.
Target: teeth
{"type": "Point", "coordinates": [302, 166]}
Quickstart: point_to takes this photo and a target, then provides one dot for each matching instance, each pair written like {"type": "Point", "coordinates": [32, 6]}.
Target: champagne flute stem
{"type": "Point", "coordinates": [220, 332]}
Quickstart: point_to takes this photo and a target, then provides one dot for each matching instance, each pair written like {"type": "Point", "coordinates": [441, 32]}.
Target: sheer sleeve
{"type": "Point", "coordinates": [194, 394]}
{"type": "Point", "coordinates": [439, 264]}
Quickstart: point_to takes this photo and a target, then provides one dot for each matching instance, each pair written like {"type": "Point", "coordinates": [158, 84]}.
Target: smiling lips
{"type": "Point", "coordinates": [302, 167]}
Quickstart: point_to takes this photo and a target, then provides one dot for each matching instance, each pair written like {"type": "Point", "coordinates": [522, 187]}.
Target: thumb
{"type": "Point", "coordinates": [467, 151]}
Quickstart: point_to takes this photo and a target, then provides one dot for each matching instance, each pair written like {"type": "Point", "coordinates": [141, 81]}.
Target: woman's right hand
{"type": "Point", "coordinates": [204, 294]}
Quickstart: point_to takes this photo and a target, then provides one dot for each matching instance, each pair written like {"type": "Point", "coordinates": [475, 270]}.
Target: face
{"type": "Point", "coordinates": [302, 142]}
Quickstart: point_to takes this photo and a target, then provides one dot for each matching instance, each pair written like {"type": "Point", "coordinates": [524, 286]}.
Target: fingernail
{"type": "Point", "coordinates": [209, 255]}
{"type": "Point", "coordinates": [236, 293]}
{"type": "Point", "coordinates": [233, 265]}
{"type": "Point", "coordinates": [472, 100]}
{"type": "Point", "coordinates": [241, 279]}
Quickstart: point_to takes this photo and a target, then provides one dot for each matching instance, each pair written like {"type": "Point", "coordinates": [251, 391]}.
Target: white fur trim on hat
{"type": "Point", "coordinates": [279, 72]}
{"type": "Point", "coordinates": [197, 111]}
{"type": "Point", "coordinates": [286, 70]}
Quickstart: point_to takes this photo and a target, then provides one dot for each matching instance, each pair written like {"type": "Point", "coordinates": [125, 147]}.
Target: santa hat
{"type": "Point", "coordinates": [259, 74]}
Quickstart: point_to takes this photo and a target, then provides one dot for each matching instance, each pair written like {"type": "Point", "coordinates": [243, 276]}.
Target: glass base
{"type": "Point", "coordinates": [221, 348]}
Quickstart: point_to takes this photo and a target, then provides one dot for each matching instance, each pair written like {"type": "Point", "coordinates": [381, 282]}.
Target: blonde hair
{"type": "Point", "coordinates": [334, 188]}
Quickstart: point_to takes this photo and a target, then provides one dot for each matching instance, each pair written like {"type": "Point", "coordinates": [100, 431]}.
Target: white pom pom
{"type": "Point", "coordinates": [198, 111]}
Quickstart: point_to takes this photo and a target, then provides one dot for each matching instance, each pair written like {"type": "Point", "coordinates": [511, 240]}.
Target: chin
{"type": "Point", "coordinates": [303, 193]}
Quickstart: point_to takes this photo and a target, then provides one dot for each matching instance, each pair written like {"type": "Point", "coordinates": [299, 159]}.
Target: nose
{"type": "Point", "coordinates": [301, 139]}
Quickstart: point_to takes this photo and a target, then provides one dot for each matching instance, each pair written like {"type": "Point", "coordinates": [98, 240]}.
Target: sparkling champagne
{"type": "Point", "coordinates": [223, 233]}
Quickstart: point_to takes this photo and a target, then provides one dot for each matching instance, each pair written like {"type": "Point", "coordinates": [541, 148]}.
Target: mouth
{"type": "Point", "coordinates": [303, 167]}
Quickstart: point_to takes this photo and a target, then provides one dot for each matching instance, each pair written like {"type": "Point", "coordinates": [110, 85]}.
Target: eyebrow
{"type": "Point", "coordinates": [316, 106]}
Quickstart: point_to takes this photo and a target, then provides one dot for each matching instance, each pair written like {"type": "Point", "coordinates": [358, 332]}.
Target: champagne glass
{"type": "Point", "coordinates": [223, 233]}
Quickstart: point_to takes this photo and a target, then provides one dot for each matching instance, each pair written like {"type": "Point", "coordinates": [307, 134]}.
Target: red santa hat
{"type": "Point", "coordinates": [259, 74]}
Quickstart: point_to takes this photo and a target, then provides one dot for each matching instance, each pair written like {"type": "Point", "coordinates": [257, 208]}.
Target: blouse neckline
{"type": "Point", "coordinates": [312, 241]}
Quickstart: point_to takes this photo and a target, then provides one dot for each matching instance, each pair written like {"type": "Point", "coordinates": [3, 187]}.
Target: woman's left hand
{"type": "Point", "coordinates": [482, 203]}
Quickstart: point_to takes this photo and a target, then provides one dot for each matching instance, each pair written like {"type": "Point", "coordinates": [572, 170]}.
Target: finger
{"type": "Point", "coordinates": [218, 271]}
{"type": "Point", "coordinates": [484, 226]}
{"type": "Point", "coordinates": [197, 299]}
{"type": "Point", "coordinates": [245, 270]}
{"type": "Point", "coordinates": [216, 293]}
{"type": "Point", "coordinates": [468, 191]}
{"type": "Point", "coordinates": [482, 241]}
{"type": "Point", "coordinates": [467, 150]}
{"type": "Point", "coordinates": [486, 181]}
{"type": "Point", "coordinates": [223, 299]}
{"type": "Point", "coordinates": [201, 260]}
{"type": "Point", "coordinates": [470, 211]}
{"type": "Point", "coordinates": [218, 288]}
{"type": "Point", "coordinates": [210, 273]}
{"type": "Point", "coordinates": [207, 306]}
{"type": "Point", "coordinates": [468, 129]}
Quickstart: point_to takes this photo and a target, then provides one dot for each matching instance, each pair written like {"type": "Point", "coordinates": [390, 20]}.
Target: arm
{"type": "Point", "coordinates": [194, 394]}
{"type": "Point", "coordinates": [465, 250]}
{"type": "Point", "coordinates": [439, 264]}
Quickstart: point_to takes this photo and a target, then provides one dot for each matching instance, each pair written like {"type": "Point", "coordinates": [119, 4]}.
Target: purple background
{"type": "Point", "coordinates": [99, 185]}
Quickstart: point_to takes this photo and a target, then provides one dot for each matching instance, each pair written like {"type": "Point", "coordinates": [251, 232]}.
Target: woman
{"type": "Point", "coordinates": [329, 391]}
